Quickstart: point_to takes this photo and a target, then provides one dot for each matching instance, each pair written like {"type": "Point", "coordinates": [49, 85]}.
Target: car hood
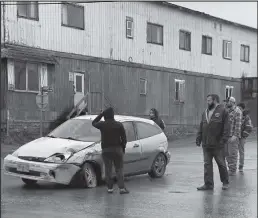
{"type": "Point", "coordinates": [45, 147]}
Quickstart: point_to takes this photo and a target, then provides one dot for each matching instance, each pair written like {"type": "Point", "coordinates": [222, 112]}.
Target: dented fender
{"type": "Point", "coordinates": [65, 172]}
{"type": "Point", "coordinates": [88, 154]}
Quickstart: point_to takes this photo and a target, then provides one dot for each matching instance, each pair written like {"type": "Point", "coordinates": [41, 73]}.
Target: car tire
{"type": "Point", "coordinates": [29, 182]}
{"type": "Point", "coordinates": [89, 176]}
{"type": "Point", "coordinates": [158, 167]}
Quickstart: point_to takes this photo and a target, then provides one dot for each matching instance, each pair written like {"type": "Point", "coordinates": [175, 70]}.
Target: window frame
{"type": "Point", "coordinates": [186, 33]}
{"type": "Point", "coordinates": [77, 6]}
{"type": "Point", "coordinates": [137, 133]}
{"type": "Point", "coordinates": [206, 37]}
{"type": "Point", "coordinates": [244, 47]}
{"type": "Point", "coordinates": [145, 86]}
{"type": "Point", "coordinates": [12, 75]}
{"type": "Point", "coordinates": [180, 84]}
{"type": "Point", "coordinates": [26, 17]}
{"type": "Point", "coordinates": [225, 43]}
{"type": "Point", "coordinates": [129, 19]}
{"type": "Point", "coordinates": [227, 91]}
{"type": "Point", "coordinates": [134, 129]}
{"type": "Point", "coordinates": [151, 41]}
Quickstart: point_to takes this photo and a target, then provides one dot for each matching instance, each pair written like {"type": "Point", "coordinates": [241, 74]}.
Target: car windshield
{"type": "Point", "coordinates": [77, 129]}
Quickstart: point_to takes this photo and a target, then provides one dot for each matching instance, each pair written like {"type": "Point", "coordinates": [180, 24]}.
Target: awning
{"type": "Point", "coordinates": [28, 54]}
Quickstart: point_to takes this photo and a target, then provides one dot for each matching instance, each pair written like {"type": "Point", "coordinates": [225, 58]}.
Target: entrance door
{"type": "Point", "coordinates": [78, 88]}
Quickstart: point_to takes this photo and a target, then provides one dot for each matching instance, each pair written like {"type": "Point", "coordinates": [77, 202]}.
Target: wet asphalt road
{"type": "Point", "coordinates": [173, 196]}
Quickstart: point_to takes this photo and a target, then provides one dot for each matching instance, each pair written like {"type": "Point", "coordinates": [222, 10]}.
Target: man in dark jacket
{"type": "Point", "coordinates": [213, 134]}
{"type": "Point", "coordinates": [246, 129]}
{"type": "Point", "coordinates": [154, 115]}
{"type": "Point", "coordinates": [113, 143]}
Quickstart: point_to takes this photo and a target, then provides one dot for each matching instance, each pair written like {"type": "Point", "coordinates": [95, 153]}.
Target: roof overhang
{"type": "Point", "coordinates": [27, 54]}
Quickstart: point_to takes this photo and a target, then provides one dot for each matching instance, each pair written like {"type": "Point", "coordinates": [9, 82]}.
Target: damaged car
{"type": "Point", "coordinates": [71, 153]}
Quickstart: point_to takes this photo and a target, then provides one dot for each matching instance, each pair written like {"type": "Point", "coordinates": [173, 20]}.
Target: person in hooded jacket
{"type": "Point", "coordinates": [154, 115]}
{"type": "Point", "coordinates": [246, 129]}
{"type": "Point", "coordinates": [113, 144]}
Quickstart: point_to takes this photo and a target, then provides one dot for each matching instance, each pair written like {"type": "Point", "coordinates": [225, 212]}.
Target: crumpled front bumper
{"type": "Point", "coordinates": [50, 172]}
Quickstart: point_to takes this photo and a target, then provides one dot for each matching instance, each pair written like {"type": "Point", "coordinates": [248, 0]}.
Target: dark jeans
{"type": "Point", "coordinates": [116, 157]}
{"type": "Point", "coordinates": [219, 155]}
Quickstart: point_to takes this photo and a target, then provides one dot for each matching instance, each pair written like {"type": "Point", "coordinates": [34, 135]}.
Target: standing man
{"type": "Point", "coordinates": [213, 135]}
{"type": "Point", "coordinates": [246, 129]}
{"type": "Point", "coordinates": [154, 115]}
{"type": "Point", "coordinates": [235, 119]}
{"type": "Point", "coordinates": [113, 143]}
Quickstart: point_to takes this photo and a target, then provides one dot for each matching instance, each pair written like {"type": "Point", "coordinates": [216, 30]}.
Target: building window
{"type": "Point", "coordinates": [229, 91]}
{"type": "Point", "coordinates": [180, 90]}
{"type": "Point", "coordinates": [244, 53]}
{"type": "Point", "coordinates": [227, 49]}
{"type": "Point", "coordinates": [143, 86]}
{"type": "Point", "coordinates": [207, 45]}
{"type": "Point", "coordinates": [129, 27]}
{"type": "Point", "coordinates": [154, 34]}
{"type": "Point", "coordinates": [28, 10]}
{"type": "Point", "coordinates": [73, 15]}
{"type": "Point", "coordinates": [25, 76]}
{"type": "Point", "coordinates": [184, 40]}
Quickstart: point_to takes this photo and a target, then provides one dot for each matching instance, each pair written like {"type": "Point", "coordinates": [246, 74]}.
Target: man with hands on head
{"type": "Point", "coordinates": [113, 144]}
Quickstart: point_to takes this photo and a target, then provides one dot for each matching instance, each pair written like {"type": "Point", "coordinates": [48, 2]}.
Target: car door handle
{"type": "Point", "coordinates": [136, 146]}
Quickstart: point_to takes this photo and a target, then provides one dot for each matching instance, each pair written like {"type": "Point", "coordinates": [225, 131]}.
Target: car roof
{"type": "Point", "coordinates": [120, 118]}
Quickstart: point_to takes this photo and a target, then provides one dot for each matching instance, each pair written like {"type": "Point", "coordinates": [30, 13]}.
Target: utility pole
{"type": "Point", "coordinates": [41, 112]}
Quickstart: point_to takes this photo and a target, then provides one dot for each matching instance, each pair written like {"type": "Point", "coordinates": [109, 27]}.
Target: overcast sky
{"type": "Point", "coordinates": [239, 12]}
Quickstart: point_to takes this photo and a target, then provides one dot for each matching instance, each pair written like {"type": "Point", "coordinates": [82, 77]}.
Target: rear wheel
{"type": "Point", "coordinates": [29, 182]}
{"type": "Point", "coordinates": [159, 165]}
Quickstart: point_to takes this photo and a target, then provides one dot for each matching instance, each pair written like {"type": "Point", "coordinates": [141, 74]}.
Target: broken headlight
{"type": "Point", "coordinates": [59, 157]}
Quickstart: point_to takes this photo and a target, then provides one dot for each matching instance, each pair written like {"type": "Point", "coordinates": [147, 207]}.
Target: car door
{"type": "Point", "coordinates": [150, 137]}
{"type": "Point", "coordinates": [133, 151]}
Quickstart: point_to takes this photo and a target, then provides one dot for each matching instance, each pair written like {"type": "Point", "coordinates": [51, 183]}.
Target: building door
{"type": "Point", "coordinates": [78, 88]}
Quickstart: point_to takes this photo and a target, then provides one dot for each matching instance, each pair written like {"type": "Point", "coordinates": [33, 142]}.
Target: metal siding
{"type": "Point", "coordinates": [104, 36]}
{"type": "Point", "coordinates": [3, 98]}
{"type": "Point", "coordinates": [121, 90]}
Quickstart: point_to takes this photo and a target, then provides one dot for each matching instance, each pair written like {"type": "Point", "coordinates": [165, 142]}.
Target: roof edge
{"type": "Point", "coordinates": [211, 17]}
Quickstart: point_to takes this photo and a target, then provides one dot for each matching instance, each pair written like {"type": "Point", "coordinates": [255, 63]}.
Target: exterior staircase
{"type": "Point", "coordinates": [83, 110]}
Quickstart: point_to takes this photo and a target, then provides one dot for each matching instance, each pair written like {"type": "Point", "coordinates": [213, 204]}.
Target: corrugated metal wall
{"type": "Point", "coordinates": [104, 36]}
{"type": "Point", "coordinates": [120, 82]}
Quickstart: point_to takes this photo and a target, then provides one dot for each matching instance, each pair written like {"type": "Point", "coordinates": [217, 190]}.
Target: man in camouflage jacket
{"type": "Point", "coordinates": [246, 129]}
{"type": "Point", "coordinates": [235, 119]}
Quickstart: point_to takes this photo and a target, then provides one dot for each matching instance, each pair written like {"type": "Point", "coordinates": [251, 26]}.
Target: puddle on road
{"type": "Point", "coordinates": [177, 192]}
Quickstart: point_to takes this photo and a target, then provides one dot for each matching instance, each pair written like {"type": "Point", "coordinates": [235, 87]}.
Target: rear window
{"type": "Point", "coordinates": [145, 130]}
{"type": "Point", "coordinates": [80, 129]}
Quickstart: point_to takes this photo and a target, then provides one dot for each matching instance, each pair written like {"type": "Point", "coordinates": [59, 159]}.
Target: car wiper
{"type": "Point", "coordinates": [71, 138]}
{"type": "Point", "coordinates": [51, 136]}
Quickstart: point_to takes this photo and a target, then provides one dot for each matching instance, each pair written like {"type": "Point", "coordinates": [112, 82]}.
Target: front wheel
{"type": "Point", "coordinates": [29, 182]}
{"type": "Point", "coordinates": [159, 166]}
{"type": "Point", "coordinates": [89, 176]}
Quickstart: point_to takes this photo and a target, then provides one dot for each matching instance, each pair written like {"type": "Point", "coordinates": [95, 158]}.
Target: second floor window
{"type": "Point", "coordinates": [73, 16]}
{"type": "Point", "coordinates": [244, 53]}
{"type": "Point", "coordinates": [207, 45]}
{"type": "Point", "coordinates": [28, 10]}
{"type": "Point", "coordinates": [184, 40]}
{"type": "Point", "coordinates": [154, 33]}
{"type": "Point", "coordinates": [129, 27]}
{"type": "Point", "coordinates": [227, 49]}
